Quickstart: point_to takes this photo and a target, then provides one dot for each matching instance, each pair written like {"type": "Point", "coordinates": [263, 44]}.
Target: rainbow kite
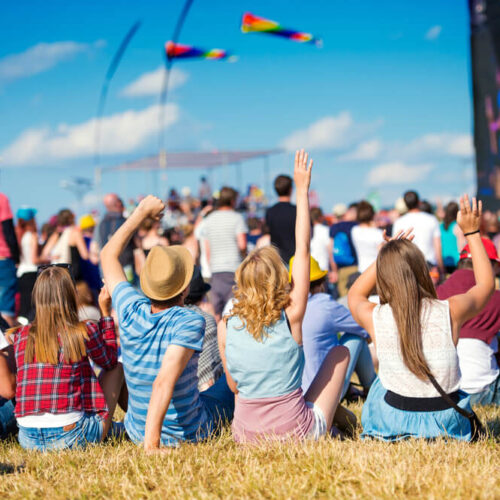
{"type": "Point", "coordinates": [255, 24]}
{"type": "Point", "coordinates": [178, 51]}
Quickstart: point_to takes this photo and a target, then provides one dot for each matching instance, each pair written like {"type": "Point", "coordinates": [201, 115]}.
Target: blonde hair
{"type": "Point", "coordinates": [262, 291]}
{"type": "Point", "coordinates": [56, 327]}
{"type": "Point", "coordinates": [403, 282]}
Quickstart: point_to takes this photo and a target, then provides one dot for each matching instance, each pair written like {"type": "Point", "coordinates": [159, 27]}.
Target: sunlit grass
{"type": "Point", "coordinates": [220, 468]}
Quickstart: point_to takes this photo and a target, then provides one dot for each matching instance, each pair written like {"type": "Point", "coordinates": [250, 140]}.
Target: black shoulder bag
{"type": "Point", "coordinates": [476, 427]}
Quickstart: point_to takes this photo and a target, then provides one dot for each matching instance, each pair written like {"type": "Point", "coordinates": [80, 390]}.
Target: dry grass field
{"type": "Point", "coordinates": [220, 469]}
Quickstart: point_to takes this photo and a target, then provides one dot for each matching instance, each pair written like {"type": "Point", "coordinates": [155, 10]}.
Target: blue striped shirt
{"type": "Point", "coordinates": [144, 338]}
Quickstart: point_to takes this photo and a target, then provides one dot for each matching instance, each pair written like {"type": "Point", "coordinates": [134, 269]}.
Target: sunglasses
{"type": "Point", "coordinates": [41, 268]}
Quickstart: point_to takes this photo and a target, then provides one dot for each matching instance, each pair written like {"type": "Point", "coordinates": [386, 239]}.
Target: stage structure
{"type": "Point", "coordinates": [195, 160]}
{"type": "Point", "coordinates": [485, 62]}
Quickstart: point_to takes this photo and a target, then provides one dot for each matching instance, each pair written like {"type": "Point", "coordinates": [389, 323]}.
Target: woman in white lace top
{"type": "Point", "coordinates": [415, 336]}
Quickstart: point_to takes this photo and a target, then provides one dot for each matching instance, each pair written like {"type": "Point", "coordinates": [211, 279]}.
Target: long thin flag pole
{"type": "Point", "coordinates": [166, 78]}
{"type": "Point", "coordinates": [104, 89]}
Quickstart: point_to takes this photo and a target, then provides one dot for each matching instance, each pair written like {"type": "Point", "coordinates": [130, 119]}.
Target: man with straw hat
{"type": "Point", "coordinates": [161, 341]}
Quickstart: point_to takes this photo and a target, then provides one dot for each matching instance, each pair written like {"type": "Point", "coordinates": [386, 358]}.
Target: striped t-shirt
{"type": "Point", "coordinates": [144, 338]}
{"type": "Point", "coordinates": [221, 228]}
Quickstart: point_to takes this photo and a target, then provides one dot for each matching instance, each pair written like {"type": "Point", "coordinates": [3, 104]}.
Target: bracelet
{"type": "Point", "coordinates": [472, 232]}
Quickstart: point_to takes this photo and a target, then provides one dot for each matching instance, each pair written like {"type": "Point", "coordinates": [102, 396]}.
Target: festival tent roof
{"type": "Point", "coordinates": [184, 160]}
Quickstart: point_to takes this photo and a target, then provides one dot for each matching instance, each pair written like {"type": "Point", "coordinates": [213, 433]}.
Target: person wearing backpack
{"type": "Point", "coordinates": [343, 259]}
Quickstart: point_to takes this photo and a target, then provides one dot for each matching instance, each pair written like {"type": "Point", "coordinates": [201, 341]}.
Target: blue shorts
{"type": "Point", "coordinates": [218, 401]}
{"type": "Point", "coordinates": [87, 430]}
{"type": "Point", "coordinates": [8, 287]}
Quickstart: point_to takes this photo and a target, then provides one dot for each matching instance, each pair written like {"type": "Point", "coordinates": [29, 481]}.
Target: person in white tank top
{"type": "Point", "coordinates": [415, 336]}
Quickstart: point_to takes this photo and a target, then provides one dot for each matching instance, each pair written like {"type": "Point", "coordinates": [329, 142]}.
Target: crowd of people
{"type": "Point", "coordinates": [195, 312]}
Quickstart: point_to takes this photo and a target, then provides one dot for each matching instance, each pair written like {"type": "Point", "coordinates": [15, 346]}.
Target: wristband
{"type": "Point", "coordinates": [472, 232]}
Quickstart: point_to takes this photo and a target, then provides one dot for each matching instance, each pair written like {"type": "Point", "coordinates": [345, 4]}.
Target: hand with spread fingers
{"type": "Point", "coordinates": [302, 170]}
{"type": "Point", "coordinates": [469, 217]}
{"type": "Point", "coordinates": [401, 235]}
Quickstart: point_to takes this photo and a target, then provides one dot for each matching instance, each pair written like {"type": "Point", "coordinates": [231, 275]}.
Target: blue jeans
{"type": "Point", "coordinates": [218, 401]}
{"type": "Point", "coordinates": [488, 396]}
{"type": "Point", "coordinates": [87, 430]}
{"type": "Point", "coordinates": [8, 287]}
{"type": "Point", "coordinates": [360, 361]}
{"type": "Point", "coordinates": [8, 423]}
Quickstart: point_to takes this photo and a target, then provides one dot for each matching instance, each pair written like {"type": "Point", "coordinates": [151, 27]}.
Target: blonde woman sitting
{"type": "Point", "coordinates": [261, 342]}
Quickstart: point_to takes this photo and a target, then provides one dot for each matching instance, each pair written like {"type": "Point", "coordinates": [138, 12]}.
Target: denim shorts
{"type": "Point", "coordinates": [87, 430]}
{"type": "Point", "coordinates": [8, 287]}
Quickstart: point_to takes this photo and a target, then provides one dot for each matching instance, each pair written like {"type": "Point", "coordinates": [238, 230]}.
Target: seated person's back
{"type": "Point", "coordinates": [145, 337]}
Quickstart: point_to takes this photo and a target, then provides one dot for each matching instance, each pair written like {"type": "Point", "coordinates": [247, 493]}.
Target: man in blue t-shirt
{"type": "Point", "coordinates": [343, 259]}
{"type": "Point", "coordinates": [160, 342]}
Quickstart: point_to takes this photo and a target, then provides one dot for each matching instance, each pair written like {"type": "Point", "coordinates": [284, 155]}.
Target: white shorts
{"type": "Point", "coordinates": [319, 426]}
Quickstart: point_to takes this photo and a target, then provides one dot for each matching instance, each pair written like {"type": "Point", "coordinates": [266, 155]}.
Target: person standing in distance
{"type": "Point", "coordinates": [280, 218]}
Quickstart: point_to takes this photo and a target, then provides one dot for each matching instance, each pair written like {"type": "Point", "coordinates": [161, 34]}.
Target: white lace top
{"type": "Point", "coordinates": [438, 347]}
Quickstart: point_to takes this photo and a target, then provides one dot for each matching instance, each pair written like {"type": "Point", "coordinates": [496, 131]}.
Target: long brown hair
{"type": "Point", "coordinates": [262, 291]}
{"type": "Point", "coordinates": [403, 282]}
{"type": "Point", "coordinates": [56, 327]}
{"type": "Point", "coordinates": [450, 214]}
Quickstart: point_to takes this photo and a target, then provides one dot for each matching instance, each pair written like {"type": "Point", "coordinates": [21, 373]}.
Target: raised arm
{"type": "Point", "coordinates": [302, 260]}
{"type": "Point", "coordinates": [111, 267]}
{"type": "Point", "coordinates": [357, 298]}
{"type": "Point", "coordinates": [467, 305]}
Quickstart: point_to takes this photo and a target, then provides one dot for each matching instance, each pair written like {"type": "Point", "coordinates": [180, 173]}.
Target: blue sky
{"type": "Point", "coordinates": [385, 104]}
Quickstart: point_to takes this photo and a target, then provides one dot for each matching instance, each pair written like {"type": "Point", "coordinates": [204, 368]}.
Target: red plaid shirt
{"type": "Point", "coordinates": [63, 388]}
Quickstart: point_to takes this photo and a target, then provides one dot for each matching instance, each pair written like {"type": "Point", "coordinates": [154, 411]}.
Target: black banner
{"type": "Point", "coordinates": [485, 61]}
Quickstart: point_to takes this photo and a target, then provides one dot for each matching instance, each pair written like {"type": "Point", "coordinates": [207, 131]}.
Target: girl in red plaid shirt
{"type": "Point", "coordinates": [59, 401]}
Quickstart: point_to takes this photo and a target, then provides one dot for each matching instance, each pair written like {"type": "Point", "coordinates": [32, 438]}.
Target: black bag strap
{"type": "Point", "coordinates": [447, 398]}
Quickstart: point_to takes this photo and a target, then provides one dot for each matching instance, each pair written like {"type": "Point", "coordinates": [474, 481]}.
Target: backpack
{"type": "Point", "coordinates": [342, 251]}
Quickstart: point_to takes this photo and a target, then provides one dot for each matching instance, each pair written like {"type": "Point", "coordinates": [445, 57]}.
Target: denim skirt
{"type": "Point", "coordinates": [382, 421]}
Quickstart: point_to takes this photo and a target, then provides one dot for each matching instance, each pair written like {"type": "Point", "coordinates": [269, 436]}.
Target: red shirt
{"type": "Point", "coordinates": [65, 387]}
{"type": "Point", "coordinates": [5, 214]}
{"type": "Point", "coordinates": [486, 324]}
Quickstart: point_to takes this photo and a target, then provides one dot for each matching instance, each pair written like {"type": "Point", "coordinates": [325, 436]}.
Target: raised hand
{"type": "Point", "coordinates": [469, 218]}
{"type": "Point", "coordinates": [402, 235]}
{"type": "Point", "coordinates": [302, 170]}
{"type": "Point", "coordinates": [151, 206]}
{"type": "Point", "coordinates": [105, 301]}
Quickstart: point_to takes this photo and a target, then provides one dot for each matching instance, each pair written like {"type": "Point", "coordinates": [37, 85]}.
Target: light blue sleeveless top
{"type": "Point", "coordinates": [268, 368]}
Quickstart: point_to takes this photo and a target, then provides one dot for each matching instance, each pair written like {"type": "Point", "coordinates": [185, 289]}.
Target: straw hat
{"type": "Point", "coordinates": [315, 272]}
{"type": "Point", "coordinates": [166, 272]}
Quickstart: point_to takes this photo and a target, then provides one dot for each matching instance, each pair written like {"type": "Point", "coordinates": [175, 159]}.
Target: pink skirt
{"type": "Point", "coordinates": [278, 418]}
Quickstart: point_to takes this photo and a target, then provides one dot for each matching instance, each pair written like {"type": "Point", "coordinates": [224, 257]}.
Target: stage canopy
{"type": "Point", "coordinates": [201, 160]}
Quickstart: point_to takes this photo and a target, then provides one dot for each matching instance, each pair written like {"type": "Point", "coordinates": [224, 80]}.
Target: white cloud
{"type": "Point", "coordinates": [446, 144]}
{"type": "Point", "coordinates": [150, 84]}
{"type": "Point", "coordinates": [120, 133]}
{"type": "Point", "coordinates": [433, 32]}
{"type": "Point", "coordinates": [368, 150]}
{"type": "Point", "coordinates": [330, 132]}
{"type": "Point", "coordinates": [39, 58]}
{"type": "Point", "coordinates": [397, 173]}
{"type": "Point", "coordinates": [428, 147]}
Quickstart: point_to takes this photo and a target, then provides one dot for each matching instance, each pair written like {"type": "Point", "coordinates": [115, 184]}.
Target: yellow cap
{"type": "Point", "coordinates": [87, 221]}
{"type": "Point", "coordinates": [315, 272]}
